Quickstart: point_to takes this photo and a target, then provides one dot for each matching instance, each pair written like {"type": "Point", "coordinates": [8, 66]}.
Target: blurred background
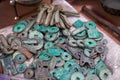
{"type": "Point", "coordinates": [7, 13]}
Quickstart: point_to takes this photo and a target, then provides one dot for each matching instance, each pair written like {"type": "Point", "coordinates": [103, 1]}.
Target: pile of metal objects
{"type": "Point", "coordinates": [57, 52]}
{"type": "Point", "coordinates": [50, 15]}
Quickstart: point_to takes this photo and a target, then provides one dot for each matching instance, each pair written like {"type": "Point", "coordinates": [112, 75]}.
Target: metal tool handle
{"type": "Point", "coordinates": [101, 20]}
{"type": "Point", "coordinates": [13, 3]}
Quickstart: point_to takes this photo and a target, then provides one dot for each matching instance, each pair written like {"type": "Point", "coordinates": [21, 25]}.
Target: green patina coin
{"type": "Point", "coordinates": [34, 34]}
{"type": "Point", "coordinates": [80, 43]}
{"type": "Point", "coordinates": [78, 24]}
{"type": "Point", "coordinates": [90, 25]}
{"type": "Point", "coordinates": [66, 56]}
{"type": "Point", "coordinates": [54, 51]}
{"type": "Point", "coordinates": [44, 55]}
{"type": "Point", "coordinates": [72, 43]}
{"type": "Point", "coordinates": [81, 34]}
{"type": "Point", "coordinates": [104, 74]}
{"type": "Point", "coordinates": [36, 27]}
{"type": "Point", "coordinates": [51, 36]}
{"type": "Point", "coordinates": [20, 58]}
{"type": "Point", "coordinates": [69, 64]}
{"type": "Point", "coordinates": [42, 28]}
{"type": "Point", "coordinates": [90, 43]}
{"type": "Point", "coordinates": [19, 28]}
{"type": "Point", "coordinates": [91, 71]}
{"type": "Point", "coordinates": [48, 45]}
{"type": "Point", "coordinates": [60, 40]}
{"type": "Point", "coordinates": [21, 68]}
{"type": "Point", "coordinates": [77, 76]}
{"type": "Point", "coordinates": [53, 29]}
{"type": "Point", "coordinates": [100, 65]}
{"type": "Point", "coordinates": [59, 73]}
{"type": "Point", "coordinates": [93, 33]}
{"type": "Point", "coordinates": [100, 37]}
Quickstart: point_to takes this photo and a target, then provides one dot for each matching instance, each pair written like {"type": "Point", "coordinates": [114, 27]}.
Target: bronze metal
{"type": "Point", "coordinates": [101, 20]}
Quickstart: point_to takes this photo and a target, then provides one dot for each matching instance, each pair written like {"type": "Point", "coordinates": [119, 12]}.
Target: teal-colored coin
{"type": "Point", "coordinates": [44, 55]}
{"type": "Point", "coordinates": [55, 51]}
{"type": "Point", "coordinates": [76, 68]}
{"type": "Point", "coordinates": [36, 27]}
{"type": "Point", "coordinates": [34, 34]}
{"type": "Point", "coordinates": [91, 71]}
{"type": "Point", "coordinates": [66, 56]}
{"type": "Point", "coordinates": [79, 37]}
{"type": "Point", "coordinates": [81, 34]}
{"type": "Point", "coordinates": [77, 76]}
{"type": "Point", "coordinates": [100, 37]}
{"type": "Point", "coordinates": [51, 36]}
{"type": "Point", "coordinates": [48, 45]}
{"type": "Point", "coordinates": [66, 32]}
{"type": "Point", "coordinates": [53, 29]}
{"type": "Point", "coordinates": [66, 75]}
{"type": "Point", "coordinates": [79, 30]}
{"type": "Point", "coordinates": [19, 28]}
{"type": "Point", "coordinates": [72, 43]}
{"type": "Point", "coordinates": [100, 65]}
{"type": "Point", "coordinates": [59, 73]}
{"type": "Point", "coordinates": [93, 33]}
{"type": "Point", "coordinates": [92, 77]}
{"type": "Point", "coordinates": [105, 74]}
{"type": "Point", "coordinates": [60, 62]}
{"type": "Point", "coordinates": [90, 43]}
{"type": "Point", "coordinates": [78, 24]}
{"type": "Point", "coordinates": [60, 40]}
{"type": "Point", "coordinates": [42, 28]}
{"type": "Point", "coordinates": [69, 64]}
{"type": "Point", "coordinates": [33, 66]}
{"type": "Point", "coordinates": [53, 73]}
{"type": "Point", "coordinates": [90, 25]}
{"type": "Point", "coordinates": [24, 22]}
{"type": "Point", "coordinates": [20, 58]}
{"type": "Point", "coordinates": [21, 68]}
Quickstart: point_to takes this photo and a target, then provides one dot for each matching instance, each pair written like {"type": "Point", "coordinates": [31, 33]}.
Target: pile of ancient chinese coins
{"type": "Point", "coordinates": [57, 53]}
{"type": "Point", "coordinates": [54, 15]}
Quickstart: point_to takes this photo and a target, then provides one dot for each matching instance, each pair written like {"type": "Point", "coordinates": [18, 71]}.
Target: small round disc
{"type": "Point", "coordinates": [29, 73]}
{"type": "Point", "coordinates": [90, 43]}
{"type": "Point", "coordinates": [77, 76]}
{"type": "Point", "coordinates": [66, 56]}
{"type": "Point", "coordinates": [20, 58]}
{"type": "Point", "coordinates": [90, 25]}
{"type": "Point", "coordinates": [21, 68]}
{"type": "Point", "coordinates": [19, 28]}
{"type": "Point", "coordinates": [104, 74]}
